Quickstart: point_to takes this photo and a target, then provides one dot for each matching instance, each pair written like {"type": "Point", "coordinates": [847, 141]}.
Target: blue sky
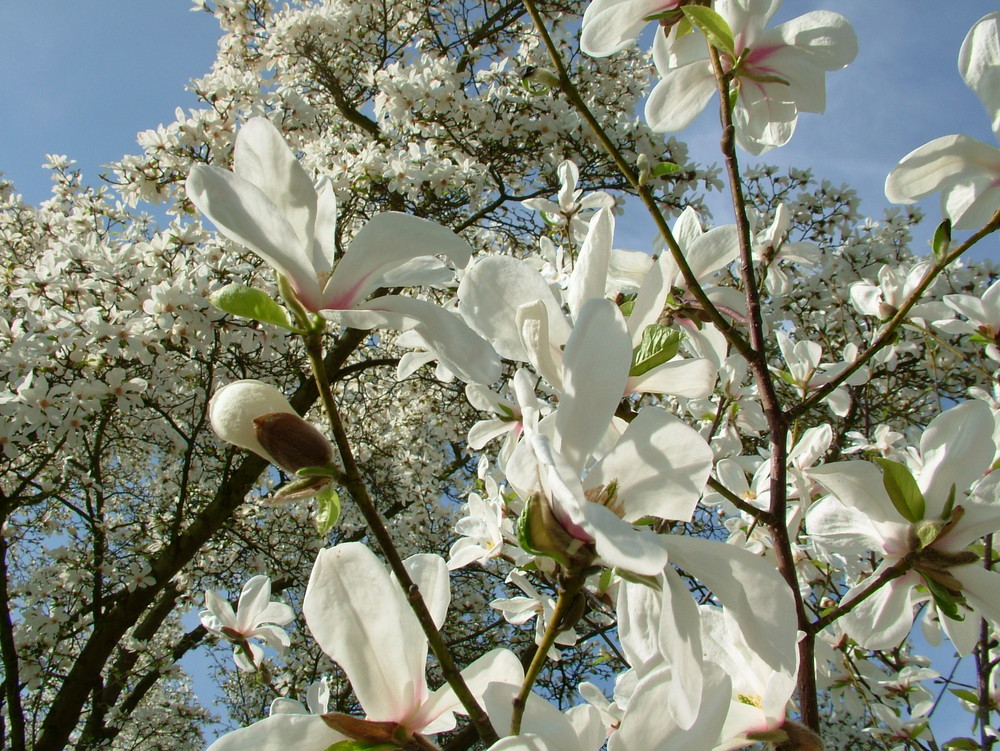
{"type": "Point", "coordinates": [82, 78]}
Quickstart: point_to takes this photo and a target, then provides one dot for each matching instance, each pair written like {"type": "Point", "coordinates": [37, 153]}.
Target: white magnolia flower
{"type": "Point", "coordinates": [598, 483]}
{"type": "Point", "coordinates": [982, 316]}
{"type": "Point", "coordinates": [256, 617]}
{"type": "Point", "coordinates": [966, 171]}
{"type": "Point", "coordinates": [571, 201]}
{"type": "Point", "coordinates": [781, 71]}
{"type": "Point", "coordinates": [930, 542]}
{"type": "Point", "coordinates": [268, 203]}
{"type": "Point", "coordinates": [360, 617]}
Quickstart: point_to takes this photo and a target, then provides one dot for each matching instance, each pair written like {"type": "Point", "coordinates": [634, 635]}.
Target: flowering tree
{"type": "Point", "coordinates": [385, 385]}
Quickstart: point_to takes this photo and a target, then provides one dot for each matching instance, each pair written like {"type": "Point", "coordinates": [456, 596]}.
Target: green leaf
{"type": "Point", "coordinates": [965, 695]}
{"type": "Point", "coordinates": [247, 302]}
{"type": "Point", "coordinates": [627, 305]}
{"type": "Point", "coordinates": [360, 746]}
{"type": "Point", "coordinates": [928, 532]}
{"type": "Point", "coordinates": [327, 510]}
{"type": "Point", "coordinates": [902, 489]}
{"type": "Point", "coordinates": [963, 743]}
{"type": "Point", "coordinates": [323, 470]}
{"type": "Point", "coordinates": [713, 26]}
{"type": "Point", "coordinates": [946, 602]}
{"type": "Point", "coordinates": [941, 242]}
{"type": "Point", "coordinates": [665, 168]}
{"type": "Point", "coordinates": [659, 345]}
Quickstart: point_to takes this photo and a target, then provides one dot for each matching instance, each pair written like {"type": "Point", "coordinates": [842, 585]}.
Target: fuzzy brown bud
{"type": "Point", "coordinates": [292, 442]}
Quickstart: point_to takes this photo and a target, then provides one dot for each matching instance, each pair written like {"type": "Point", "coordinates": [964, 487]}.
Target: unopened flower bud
{"type": "Point", "coordinates": [292, 442]}
{"type": "Point", "coordinates": [540, 533]}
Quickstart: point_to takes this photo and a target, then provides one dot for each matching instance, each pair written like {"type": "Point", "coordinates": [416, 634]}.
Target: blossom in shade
{"type": "Point", "coordinates": [255, 617]}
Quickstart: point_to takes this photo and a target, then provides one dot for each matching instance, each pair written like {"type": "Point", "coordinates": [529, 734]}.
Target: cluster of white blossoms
{"type": "Point", "coordinates": [725, 477]}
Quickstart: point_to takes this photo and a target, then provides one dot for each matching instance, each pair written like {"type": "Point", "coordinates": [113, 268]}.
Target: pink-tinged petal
{"type": "Point", "coordinates": [590, 273]}
{"type": "Point", "coordinates": [841, 529]}
{"type": "Point", "coordinates": [826, 39]}
{"type": "Point", "coordinates": [680, 96]}
{"type": "Point", "coordinates": [497, 666]}
{"type": "Point", "coordinates": [492, 291]}
{"type": "Point", "coordinates": [281, 732]}
{"type": "Point", "coordinates": [979, 64]}
{"type": "Point", "coordinates": [262, 158]}
{"type": "Point", "coordinates": [611, 25]}
{"type": "Point", "coordinates": [645, 726]}
{"type": "Point", "coordinates": [750, 589]}
{"type": "Point", "coordinates": [544, 355]}
{"type": "Point", "coordinates": [458, 347]}
{"type": "Point", "coordinates": [956, 448]}
{"type": "Point", "coordinates": [430, 573]}
{"type": "Point", "coordinates": [660, 464]}
{"type": "Point", "coordinates": [938, 164]}
{"type": "Point", "coordinates": [980, 588]}
{"type": "Point", "coordinates": [595, 368]}
{"type": "Point", "coordinates": [858, 485]}
{"type": "Point", "coordinates": [806, 85]}
{"type": "Point", "coordinates": [352, 604]}
{"type": "Point", "coordinates": [884, 619]}
{"type": "Point", "coordinates": [387, 241]}
{"type": "Point", "coordinates": [693, 379]}
{"type": "Point", "coordinates": [243, 213]}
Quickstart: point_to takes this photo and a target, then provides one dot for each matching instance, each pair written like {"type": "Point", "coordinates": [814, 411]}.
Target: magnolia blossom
{"type": "Point", "coordinates": [268, 203]}
{"type": "Point", "coordinates": [982, 318]}
{"type": "Point", "coordinates": [778, 72]}
{"type": "Point", "coordinates": [571, 201]}
{"type": "Point", "coordinates": [360, 617]}
{"type": "Point", "coordinates": [256, 617]}
{"type": "Point", "coordinates": [966, 171]}
{"type": "Point", "coordinates": [860, 516]}
{"type": "Point", "coordinates": [596, 480]}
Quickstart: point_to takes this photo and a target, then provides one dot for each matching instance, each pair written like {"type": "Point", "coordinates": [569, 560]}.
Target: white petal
{"type": "Point", "coordinates": [352, 604]}
{"type": "Point", "coordinates": [941, 162]}
{"type": "Point", "coordinates": [680, 96]}
{"type": "Point", "coordinates": [590, 274]}
{"type": "Point", "coordinates": [281, 732]}
{"type": "Point", "coordinates": [661, 466]}
{"type": "Point", "coordinates": [430, 573]}
{"type": "Point", "coordinates": [490, 294]}
{"type": "Point", "coordinates": [694, 379]}
{"type": "Point", "coordinates": [595, 368]}
{"type": "Point", "coordinates": [611, 25]}
{"type": "Point", "coordinates": [859, 485]}
{"type": "Point", "coordinates": [827, 38]}
{"type": "Point", "coordinates": [750, 588]}
{"type": "Point", "coordinates": [980, 588]}
{"type": "Point", "coordinates": [262, 157]}
{"type": "Point", "coordinates": [387, 241]}
{"type": "Point", "coordinates": [979, 64]}
{"type": "Point", "coordinates": [883, 620]}
{"type": "Point", "coordinates": [244, 214]}
{"type": "Point", "coordinates": [459, 348]}
{"type": "Point", "coordinates": [680, 643]}
{"type": "Point", "coordinates": [956, 448]}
